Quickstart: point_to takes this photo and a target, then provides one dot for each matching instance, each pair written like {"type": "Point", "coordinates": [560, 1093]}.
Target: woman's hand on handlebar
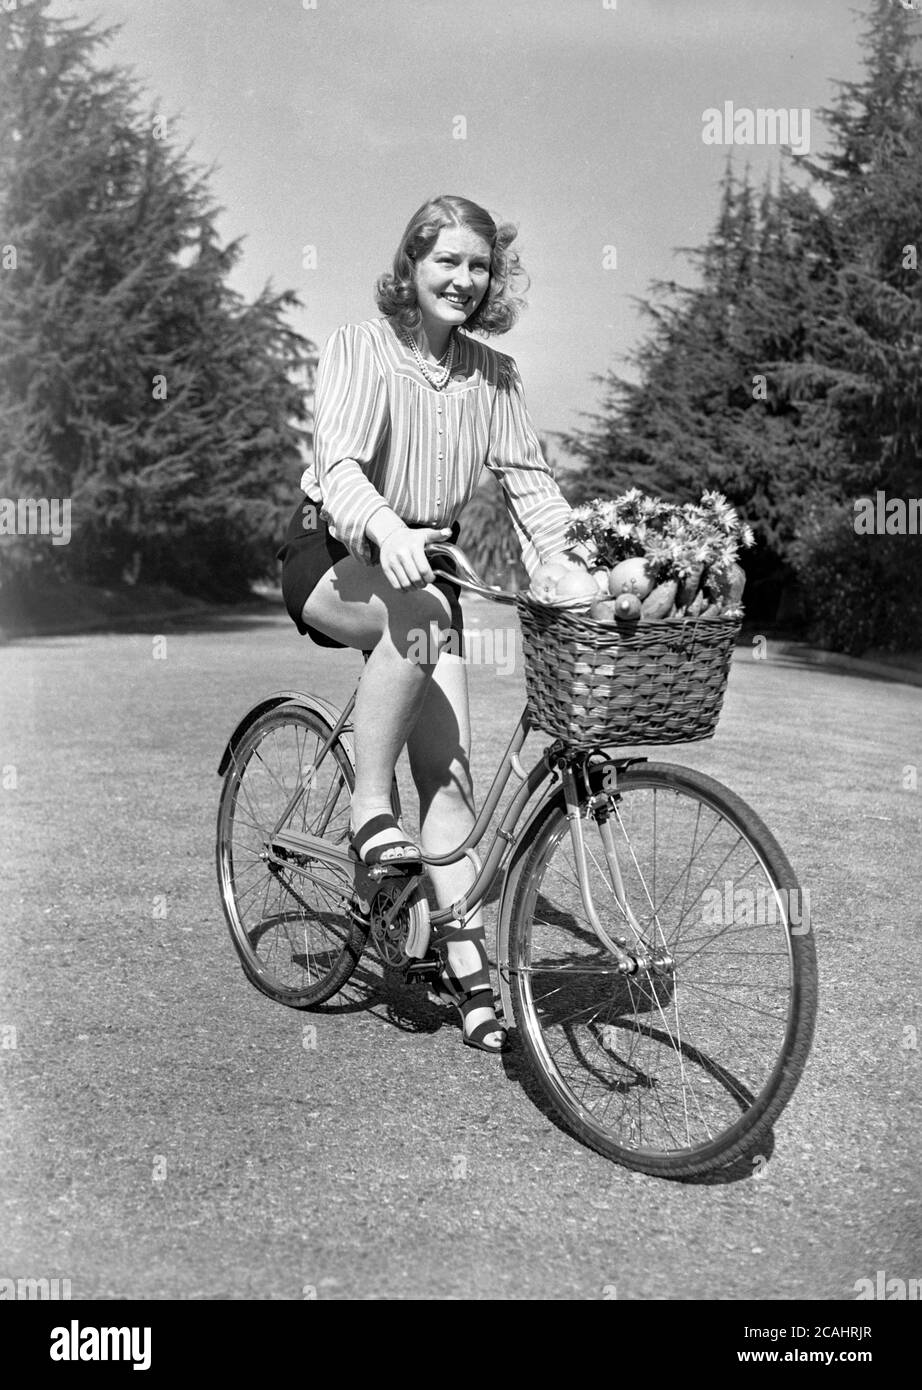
{"type": "Point", "coordinates": [403, 558]}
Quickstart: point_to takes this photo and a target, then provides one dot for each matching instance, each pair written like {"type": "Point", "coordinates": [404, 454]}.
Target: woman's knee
{"type": "Point", "coordinates": [418, 624]}
{"type": "Point", "coordinates": [355, 604]}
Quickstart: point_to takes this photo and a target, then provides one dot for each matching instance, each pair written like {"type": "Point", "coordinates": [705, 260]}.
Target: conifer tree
{"type": "Point", "coordinates": [133, 379]}
{"type": "Point", "coordinates": [789, 377]}
{"type": "Point", "coordinates": [867, 346]}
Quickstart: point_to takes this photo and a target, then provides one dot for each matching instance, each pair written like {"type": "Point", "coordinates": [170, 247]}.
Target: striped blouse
{"type": "Point", "coordinates": [383, 436]}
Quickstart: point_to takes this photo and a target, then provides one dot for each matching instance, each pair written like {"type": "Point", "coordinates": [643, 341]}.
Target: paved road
{"type": "Point", "coordinates": [168, 1134]}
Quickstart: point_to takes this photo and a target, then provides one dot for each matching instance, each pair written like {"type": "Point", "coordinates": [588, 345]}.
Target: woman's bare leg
{"type": "Point", "coordinates": [439, 751]}
{"type": "Point", "coordinates": [355, 604]}
{"type": "Point", "coordinates": [409, 694]}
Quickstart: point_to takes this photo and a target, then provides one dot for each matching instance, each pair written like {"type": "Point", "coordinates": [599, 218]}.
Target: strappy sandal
{"type": "Point", "coordinates": [399, 854]}
{"type": "Point", "coordinates": [446, 991]}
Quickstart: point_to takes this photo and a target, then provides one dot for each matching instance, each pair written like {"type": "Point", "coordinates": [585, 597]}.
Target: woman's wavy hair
{"type": "Point", "coordinates": [395, 291]}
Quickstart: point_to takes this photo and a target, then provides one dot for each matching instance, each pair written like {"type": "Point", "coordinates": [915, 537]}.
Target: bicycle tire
{"type": "Point", "coordinates": [324, 970]}
{"type": "Point", "coordinates": [543, 992]}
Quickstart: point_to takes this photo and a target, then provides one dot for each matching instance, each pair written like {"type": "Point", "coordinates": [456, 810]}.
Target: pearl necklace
{"type": "Point", "coordinates": [438, 379]}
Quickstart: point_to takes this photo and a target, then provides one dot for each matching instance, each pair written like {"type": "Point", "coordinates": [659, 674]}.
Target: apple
{"type": "Point", "coordinates": [578, 583]}
{"type": "Point", "coordinates": [729, 585]}
{"type": "Point", "coordinates": [544, 581]}
{"type": "Point", "coordinates": [630, 577]}
{"type": "Point", "coordinates": [603, 610]}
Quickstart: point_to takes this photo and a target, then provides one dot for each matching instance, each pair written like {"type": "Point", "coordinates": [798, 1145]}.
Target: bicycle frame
{"type": "Point", "coordinates": [558, 763]}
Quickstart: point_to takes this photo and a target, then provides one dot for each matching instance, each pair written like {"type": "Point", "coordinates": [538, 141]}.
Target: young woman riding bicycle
{"type": "Point", "coordinates": [408, 409]}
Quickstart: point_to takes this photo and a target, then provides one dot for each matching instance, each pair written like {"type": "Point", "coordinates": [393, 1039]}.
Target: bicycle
{"type": "Point", "coordinates": [666, 1028]}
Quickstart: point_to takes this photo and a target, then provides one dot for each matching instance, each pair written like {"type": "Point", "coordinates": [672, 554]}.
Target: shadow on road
{"type": "Point", "coordinates": [407, 1007]}
{"type": "Point", "coordinates": [518, 1070]}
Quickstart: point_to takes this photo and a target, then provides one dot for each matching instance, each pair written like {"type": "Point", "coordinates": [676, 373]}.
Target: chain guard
{"type": "Point", "coordinates": [404, 938]}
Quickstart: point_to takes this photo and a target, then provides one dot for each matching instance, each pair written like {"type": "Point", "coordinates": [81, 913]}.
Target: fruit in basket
{"type": "Point", "coordinates": [630, 577]}
{"type": "Point", "coordinates": [658, 603]}
{"type": "Point", "coordinates": [601, 579]}
{"type": "Point", "coordinates": [578, 583]}
{"type": "Point", "coordinates": [627, 608]}
{"type": "Point", "coordinates": [712, 611]}
{"type": "Point", "coordinates": [697, 605]}
{"type": "Point", "coordinates": [603, 610]}
{"type": "Point", "coordinates": [544, 581]}
{"type": "Point", "coordinates": [690, 587]}
{"type": "Point", "coordinates": [728, 585]}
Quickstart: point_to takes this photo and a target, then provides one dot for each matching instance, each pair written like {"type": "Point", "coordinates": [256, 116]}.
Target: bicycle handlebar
{"type": "Point", "coordinates": [467, 577]}
{"type": "Point", "coordinates": [471, 580]}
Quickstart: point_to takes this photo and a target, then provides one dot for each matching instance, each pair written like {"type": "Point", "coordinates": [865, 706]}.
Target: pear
{"type": "Point", "coordinates": [627, 608]}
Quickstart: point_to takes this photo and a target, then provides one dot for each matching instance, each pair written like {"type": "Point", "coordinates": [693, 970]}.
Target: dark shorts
{"type": "Point", "coordinates": [309, 551]}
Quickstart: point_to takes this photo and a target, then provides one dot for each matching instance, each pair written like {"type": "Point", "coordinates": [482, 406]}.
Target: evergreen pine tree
{"type": "Point", "coordinates": [789, 377]}
{"type": "Point", "coordinates": [867, 347]}
{"type": "Point", "coordinates": [133, 380]}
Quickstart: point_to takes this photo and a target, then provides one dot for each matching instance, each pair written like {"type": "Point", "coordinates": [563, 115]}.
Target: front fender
{"type": "Point", "coordinates": [280, 697]}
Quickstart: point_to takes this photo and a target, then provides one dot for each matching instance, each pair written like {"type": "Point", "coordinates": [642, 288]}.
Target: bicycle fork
{"type": "Point", "coordinates": [599, 804]}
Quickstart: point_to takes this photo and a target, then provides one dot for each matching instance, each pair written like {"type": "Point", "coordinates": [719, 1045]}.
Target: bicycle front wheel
{"type": "Point", "coordinates": [293, 930]}
{"type": "Point", "coordinates": [683, 1066]}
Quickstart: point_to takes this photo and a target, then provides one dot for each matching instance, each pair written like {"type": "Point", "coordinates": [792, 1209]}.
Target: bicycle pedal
{"type": "Point", "coordinates": [422, 970]}
{"type": "Point", "coordinates": [382, 871]}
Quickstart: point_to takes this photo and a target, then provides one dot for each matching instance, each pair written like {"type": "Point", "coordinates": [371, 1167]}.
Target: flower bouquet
{"type": "Point", "coordinates": [653, 559]}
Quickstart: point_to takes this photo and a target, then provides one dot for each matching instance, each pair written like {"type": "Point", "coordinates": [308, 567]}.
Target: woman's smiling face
{"type": "Point", "coordinates": [453, 278]}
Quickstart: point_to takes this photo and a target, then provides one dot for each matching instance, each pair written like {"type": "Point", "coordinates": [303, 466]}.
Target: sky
{"type": "Point", "coordinates": [330, 121]}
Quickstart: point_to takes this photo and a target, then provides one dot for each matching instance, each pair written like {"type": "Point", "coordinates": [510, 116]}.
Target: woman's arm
{"type": "Point", "coordinates": [538, 509]}
{"type": "Point", "coordinates": [350, 419]}
{"type": "Point", "coordinates": [381, 524]}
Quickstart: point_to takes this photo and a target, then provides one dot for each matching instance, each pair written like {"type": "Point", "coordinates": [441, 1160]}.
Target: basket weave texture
{"type": "Point", "coordinates": [593, 683]}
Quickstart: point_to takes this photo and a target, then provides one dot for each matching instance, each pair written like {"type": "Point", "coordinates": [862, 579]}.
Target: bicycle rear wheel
{"type": "Point", "coordinates": [293, 932]}
{"type": "Point", "coordinates": [684, 1066]}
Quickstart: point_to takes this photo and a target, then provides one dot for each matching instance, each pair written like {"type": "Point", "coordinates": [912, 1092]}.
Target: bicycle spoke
{"type": "Point", "coordinates": [668, 1060]}
{"type": "Point", "coordinates": [294, 929]}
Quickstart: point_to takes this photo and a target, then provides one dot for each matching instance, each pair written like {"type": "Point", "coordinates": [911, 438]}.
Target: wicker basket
{"type": "Point", "coordinates": [594, 683]}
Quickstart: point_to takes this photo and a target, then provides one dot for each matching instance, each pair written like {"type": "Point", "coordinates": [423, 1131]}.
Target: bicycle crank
{"type": "Point", "coordinates": [399, 915]}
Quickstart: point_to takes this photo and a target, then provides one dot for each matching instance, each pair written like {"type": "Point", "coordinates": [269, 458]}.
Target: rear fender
{"type": "Point", "coordinates": [280, 697]}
